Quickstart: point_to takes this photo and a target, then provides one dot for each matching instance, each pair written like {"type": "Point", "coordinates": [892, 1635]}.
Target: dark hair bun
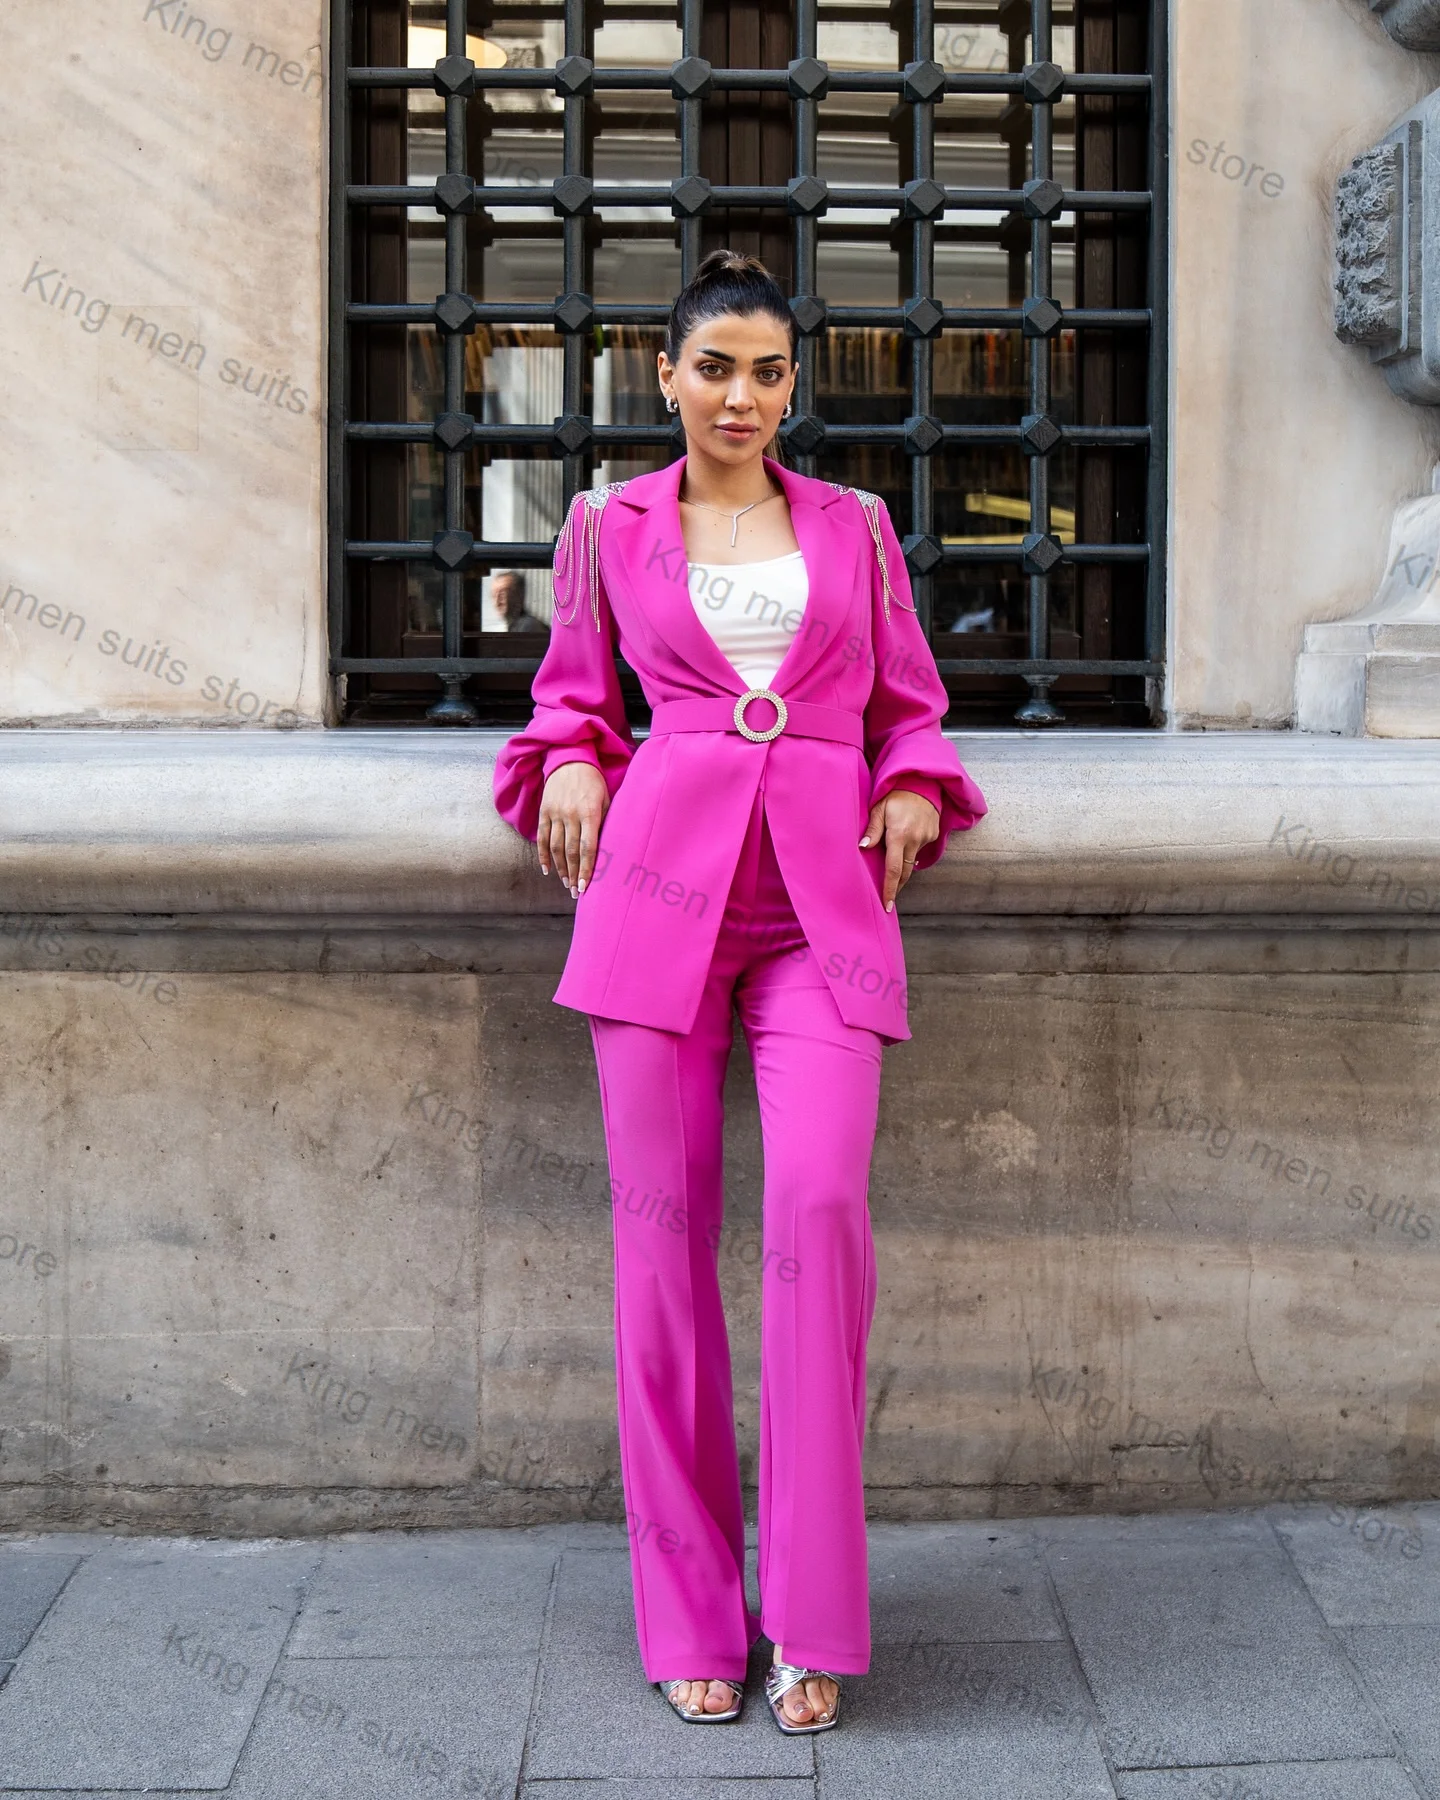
{"type": "Point", "coordinates": [727, 281]}
{"type": "Point", "coordinates": [729, 262]}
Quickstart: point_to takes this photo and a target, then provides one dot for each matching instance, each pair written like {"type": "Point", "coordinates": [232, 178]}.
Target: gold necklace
{"type": "Point", "coordinates": [734, 518]}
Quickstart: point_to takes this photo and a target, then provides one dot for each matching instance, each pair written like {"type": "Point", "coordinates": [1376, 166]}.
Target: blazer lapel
{"type": "Point", "coordinates": [650, 548]}
{"type": "Point", "coordinates": [651, 554]}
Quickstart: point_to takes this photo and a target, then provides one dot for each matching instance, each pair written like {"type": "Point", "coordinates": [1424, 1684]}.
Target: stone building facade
{"type": "Point", "coordinates": [304, 1213]}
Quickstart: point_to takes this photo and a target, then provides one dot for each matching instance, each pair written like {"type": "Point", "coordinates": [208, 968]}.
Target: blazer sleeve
{"type": "Point", "coordinates": [579, 714]}
{"type": "Point", "coordinates": [903, 741]}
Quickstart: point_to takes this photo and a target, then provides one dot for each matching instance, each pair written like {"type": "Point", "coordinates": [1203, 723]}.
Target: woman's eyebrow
{"type": "Point", "coordinates": [724, 356]}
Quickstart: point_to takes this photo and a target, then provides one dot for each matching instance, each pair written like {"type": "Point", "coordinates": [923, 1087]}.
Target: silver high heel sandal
{"type": "Point", "coordinates": [667, 1688]}
{"type": "Point", "coordinates": [779, 1679]}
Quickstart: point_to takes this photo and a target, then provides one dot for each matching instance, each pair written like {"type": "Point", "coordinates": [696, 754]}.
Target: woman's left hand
{"type": "Point", "coordinates": [906, 823]}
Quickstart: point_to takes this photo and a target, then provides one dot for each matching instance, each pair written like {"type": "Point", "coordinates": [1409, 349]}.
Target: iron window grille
{"type": "Point", "coordinates": [1079, 413]}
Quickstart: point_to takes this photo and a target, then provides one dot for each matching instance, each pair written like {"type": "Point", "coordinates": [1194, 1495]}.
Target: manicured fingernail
{"type": "Point", "coordinates": [581, 888]}
{"type": "Point", "coordinates": [863, 842]}
{"type": "Point", "coordinates": [889, 906]}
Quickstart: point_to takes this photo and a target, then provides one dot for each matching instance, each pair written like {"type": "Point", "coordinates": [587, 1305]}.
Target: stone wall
{"type": "Point", "coordinates": [162, 292]}
{"type": "Point", "coordinates": [304, 1212]}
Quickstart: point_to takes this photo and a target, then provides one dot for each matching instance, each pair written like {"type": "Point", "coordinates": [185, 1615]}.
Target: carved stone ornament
{"type": "Point", "coordinates": [1369, 250]}
{"type": "Point", "coordinates": [1413, 23]}
{"type": "Point", "coordinates": [1387, 254]}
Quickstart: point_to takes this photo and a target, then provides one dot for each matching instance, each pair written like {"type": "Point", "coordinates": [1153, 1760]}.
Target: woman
{"type": "Point", "coordinates": [748, 853]}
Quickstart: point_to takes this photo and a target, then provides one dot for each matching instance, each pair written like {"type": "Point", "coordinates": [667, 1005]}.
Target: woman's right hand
{"type": "Point", "coordinates": [572, 806]}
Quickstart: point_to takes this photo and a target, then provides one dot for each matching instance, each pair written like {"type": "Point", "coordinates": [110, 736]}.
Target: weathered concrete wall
{"type": "Point", "coordinates": [304, 1213]}
{"type": "Point", "coordinates": [216, 1167]}
{"type": "Point", "coordinates": [289, 1251]}
{"type": "Point", "coordinates": [162, 293]}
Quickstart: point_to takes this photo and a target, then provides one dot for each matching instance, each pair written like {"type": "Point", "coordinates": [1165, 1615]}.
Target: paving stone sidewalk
{"type": "Point", "coordinates": [1285, 1654]}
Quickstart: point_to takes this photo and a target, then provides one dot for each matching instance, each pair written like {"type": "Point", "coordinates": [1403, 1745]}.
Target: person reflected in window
{"type": "Point", "coordinates": [507, 590]}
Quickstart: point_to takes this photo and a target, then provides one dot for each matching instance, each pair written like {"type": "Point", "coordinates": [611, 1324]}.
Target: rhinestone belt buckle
{"type": "Point", "coordinates": [760, 693]}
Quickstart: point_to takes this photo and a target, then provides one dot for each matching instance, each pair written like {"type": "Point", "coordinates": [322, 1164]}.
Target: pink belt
{"type": "Point", "coordinates": [802, 717]}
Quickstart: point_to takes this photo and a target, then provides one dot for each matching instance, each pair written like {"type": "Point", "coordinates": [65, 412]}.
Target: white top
{"type": "Point", "coordinates": [752, 610]}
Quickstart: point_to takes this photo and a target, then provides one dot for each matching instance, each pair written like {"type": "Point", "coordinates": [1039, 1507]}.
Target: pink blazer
{"type": "Point", "coordinates": [646, 925]}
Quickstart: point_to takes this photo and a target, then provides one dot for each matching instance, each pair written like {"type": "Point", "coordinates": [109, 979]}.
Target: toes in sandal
{"type": "Point", "coordinates": [667, 1688]}
{"type": "Point", "coordinates": [779, 1679]}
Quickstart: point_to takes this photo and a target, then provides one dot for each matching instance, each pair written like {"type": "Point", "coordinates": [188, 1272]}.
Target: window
{"type": "Point", "coordinates": [967, 202]}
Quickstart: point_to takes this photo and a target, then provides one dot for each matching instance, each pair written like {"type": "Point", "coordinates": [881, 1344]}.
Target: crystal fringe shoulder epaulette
{"type": "Point", "coordinates": [871, 503]}
{"type": "Point", "coordinates": [578, 546]}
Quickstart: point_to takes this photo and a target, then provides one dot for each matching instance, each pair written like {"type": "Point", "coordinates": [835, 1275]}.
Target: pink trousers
{"type": "Point", "coordinates": [818, 1082]}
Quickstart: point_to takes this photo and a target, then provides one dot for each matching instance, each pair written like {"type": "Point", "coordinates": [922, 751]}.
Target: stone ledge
{"type": "Point", "coordinates": [399, 824]}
